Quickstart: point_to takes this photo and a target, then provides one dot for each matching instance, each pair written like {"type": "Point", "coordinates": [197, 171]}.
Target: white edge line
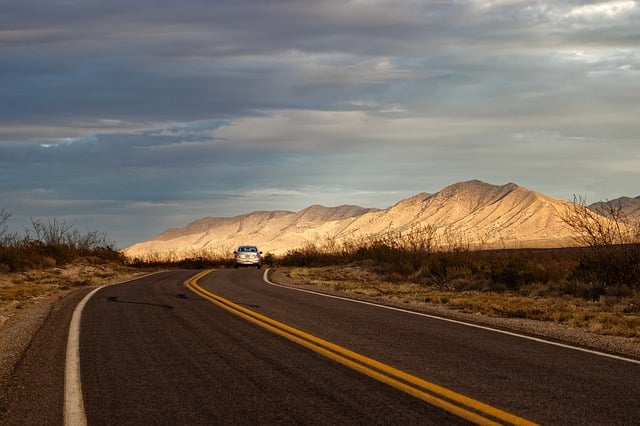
{"type": "Point", "coordinates": [468, 324]}
{"type": "Point", "coordinates": [74, 414]}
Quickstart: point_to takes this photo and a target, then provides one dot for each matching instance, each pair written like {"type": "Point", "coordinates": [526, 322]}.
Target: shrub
{"type": "Point", "coordinates": [614, 241]}
{"type": "Point", "coordinates": [49, 244]}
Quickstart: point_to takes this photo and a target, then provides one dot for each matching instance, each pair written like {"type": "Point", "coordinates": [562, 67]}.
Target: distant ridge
{"type": "Point", "coordinates": [474, 211]}
{"type": "Point", "coordinates": [630, 207]}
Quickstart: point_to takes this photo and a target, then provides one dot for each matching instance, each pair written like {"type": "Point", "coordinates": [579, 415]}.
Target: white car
{"type": "Point", "coordinates": [247, 256]}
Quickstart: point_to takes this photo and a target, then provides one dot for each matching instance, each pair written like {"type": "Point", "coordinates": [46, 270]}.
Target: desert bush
{"type": "Point", "coordinates": [53, 243]}
{"type": "Point", "coordinates": [396, 253]}
{"type": "Point", "coordinates": [268, 259]}
{"type": "Point", "coordinates": [614, 241]}
{"type": "Point", "coordinates": [310, 254]}
{"type": "Point", "coordinates": [605, 226]}
{"type": "Point", "coordinates": [4, 217]}
{"type": "Point", "coordinates": [195, 262]}
{"type": "Point", "coordinates": [194, 258]}
{"type": "Point", "coordinates": [442, 268]}
{"type": "Point", "coordinates": [400, 257]}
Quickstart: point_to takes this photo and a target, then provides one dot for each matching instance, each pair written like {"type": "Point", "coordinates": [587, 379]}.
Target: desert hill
{"type": "Point", "coordinates": [472, 212]}
{"type": "Point", "coordinates": [629, 207]}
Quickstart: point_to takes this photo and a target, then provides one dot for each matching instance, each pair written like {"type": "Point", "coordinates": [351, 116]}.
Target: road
{"type": "Point", "coordinates": [153, 351]}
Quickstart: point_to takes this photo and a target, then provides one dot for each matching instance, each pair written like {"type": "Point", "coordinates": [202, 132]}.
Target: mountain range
{"type": "Point", "coordinates": [473, 212]}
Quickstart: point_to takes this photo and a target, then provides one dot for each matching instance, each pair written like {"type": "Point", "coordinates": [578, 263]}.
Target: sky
{"type": "Point", "coordinates": [132, 116]}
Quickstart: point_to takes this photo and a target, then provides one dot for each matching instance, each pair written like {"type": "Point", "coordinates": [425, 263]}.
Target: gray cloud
{"type": "Point", "coordinates": [145, 114]}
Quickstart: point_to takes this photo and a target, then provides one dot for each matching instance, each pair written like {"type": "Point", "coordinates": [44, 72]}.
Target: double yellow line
{"type": "Point", "coordinates": [452, 402]}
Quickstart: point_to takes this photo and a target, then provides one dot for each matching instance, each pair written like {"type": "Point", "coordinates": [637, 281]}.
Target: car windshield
{"type": "Point", "coordinates": [248, 249]}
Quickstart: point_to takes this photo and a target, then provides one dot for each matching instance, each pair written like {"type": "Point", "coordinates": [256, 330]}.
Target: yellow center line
{"type": "Point", "coordinates": [448, 400]}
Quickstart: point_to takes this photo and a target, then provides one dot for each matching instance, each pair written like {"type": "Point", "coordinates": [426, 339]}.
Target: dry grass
{"type": "Point", "coordinates": [20, 289]}
{"type": "Point", "coordinates": [616, 316]}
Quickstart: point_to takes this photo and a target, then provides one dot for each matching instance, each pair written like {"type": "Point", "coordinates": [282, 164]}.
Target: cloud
{"type": "Point", "coordinates": [606, 10]}
{"type": "Point", "coordinates": [204, 108]}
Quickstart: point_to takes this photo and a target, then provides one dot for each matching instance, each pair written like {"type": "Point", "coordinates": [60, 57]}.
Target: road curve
{"type": "Point", "coordinates": [452, 402]}
{"type": "Point", "coordinates": [537, 381]}
{"type": "Point", "coordinates": [154, 352]}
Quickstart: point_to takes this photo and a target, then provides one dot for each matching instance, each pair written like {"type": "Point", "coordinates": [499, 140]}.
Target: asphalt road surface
{"type": "Point", "coordinates": [152, 351]}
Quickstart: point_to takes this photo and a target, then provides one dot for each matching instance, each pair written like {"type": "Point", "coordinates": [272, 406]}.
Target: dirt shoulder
{"type": "Point", "coordinates": [27, 298]}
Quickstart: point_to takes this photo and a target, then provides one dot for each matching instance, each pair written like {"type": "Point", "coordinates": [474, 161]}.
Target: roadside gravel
{"type": "Point", "coordinates": [17, 330]}
{"type": "Point", "coordinates": [20, 321]}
